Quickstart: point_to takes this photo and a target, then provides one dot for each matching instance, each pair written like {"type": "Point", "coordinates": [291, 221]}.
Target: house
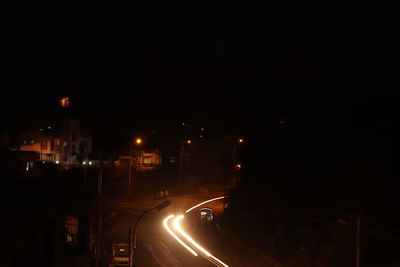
{"type": "Point", "coordinates": [61, 142]}
{"type": "Point", "coordinates": [142, 160]}
{"type": "Point", "coordinates": [147, 160]}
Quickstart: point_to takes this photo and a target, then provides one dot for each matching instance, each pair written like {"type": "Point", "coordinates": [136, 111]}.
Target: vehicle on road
{"type": "Point", "coordinates": [206, 215]}
{"type": "Point", "coordinates": [120, 253]}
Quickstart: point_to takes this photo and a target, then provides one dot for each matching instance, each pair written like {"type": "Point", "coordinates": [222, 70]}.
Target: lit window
{"type": "Point", "coordinates": [64, 102]}
{"type": "Point", "coordinates": [147, 160]}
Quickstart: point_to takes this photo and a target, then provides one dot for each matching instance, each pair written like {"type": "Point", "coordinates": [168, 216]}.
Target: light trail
{"type": "Point", "coordinates": [178, 228]}
{"type": "Point", "coordinates": [202, 203]}
{"type": "Point", "coordinates": [165, 223]}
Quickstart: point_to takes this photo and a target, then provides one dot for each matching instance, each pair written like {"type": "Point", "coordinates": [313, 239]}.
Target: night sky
{"type": "Point", "coordinates": [133, 62]}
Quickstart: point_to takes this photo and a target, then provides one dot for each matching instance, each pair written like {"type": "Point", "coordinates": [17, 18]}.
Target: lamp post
{"type": "Point", "coordinates": [234, 163]}
{"type": "Point", "coordinates": [132, 248]}
{"type": "Point", "coordinates": [138, 141]}
{"type": "Point", "coordinates": [181, 159]}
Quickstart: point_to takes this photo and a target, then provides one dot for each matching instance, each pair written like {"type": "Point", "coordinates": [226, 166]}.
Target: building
{"type": "Point", "coordinates": [142, 160]}
{"type": "Point", "coordinates": [146, 161]}
{"type": "Point", "coordinates": [61, 142]}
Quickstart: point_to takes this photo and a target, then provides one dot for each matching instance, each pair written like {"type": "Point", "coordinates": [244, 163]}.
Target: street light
{"type": "Point", "coordinates": [181, 159]}
{"type": "Point", "coordinates": [235, 165]}
{"type": "Point", "coordinates": [131, 250]}
{"type": "Point", "coordinates": [138, 141]}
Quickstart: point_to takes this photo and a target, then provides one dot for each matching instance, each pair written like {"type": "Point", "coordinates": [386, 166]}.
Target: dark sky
{"type": "Point", "coordinates": [204, 58]}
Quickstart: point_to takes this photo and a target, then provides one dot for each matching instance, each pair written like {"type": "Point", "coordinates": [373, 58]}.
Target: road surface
{"type": "Point", "coordinates": [155, 247]}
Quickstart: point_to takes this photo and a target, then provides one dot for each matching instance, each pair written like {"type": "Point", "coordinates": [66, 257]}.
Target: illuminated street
{"type": "Point", "coordinates": [178, 228]}
{"type": "Point", "coordinates": [155, 246]}
{"type": "Point", "coordinates": [199, 134]}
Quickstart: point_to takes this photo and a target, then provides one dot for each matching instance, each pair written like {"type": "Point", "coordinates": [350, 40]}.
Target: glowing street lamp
{"type": "Point", "coordinates": [138, 142]}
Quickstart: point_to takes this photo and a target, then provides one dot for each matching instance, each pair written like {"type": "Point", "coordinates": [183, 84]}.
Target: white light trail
{"type": "Point", "coordinates": [165, 223]}
{"type": "Point", "coordinates": [178, 228]}
{"type": "Point", "coordinates": [190, 241]}
{"type": "Point", "coordinates": [202, 203]}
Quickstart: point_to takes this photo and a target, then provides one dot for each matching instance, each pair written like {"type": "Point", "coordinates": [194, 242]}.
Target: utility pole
{"type": "Point", "coordinates": [84, 166]}
{"type": "Point", "coordinates": [138, 141]}
{"type": "Point", "coordinates": [234, 150]}
{"type": "Point", "coordinates": [358, 235]}
{"type": "Point", "coordinates": [181, 155]}
{"type": "Point", "coordinates": [130, 247]}
{"type": "Point", "coordinates": [130, 174]}
{"type": "Point", "coordinates": [233, 165]}
{"type": "Point", "coordinates": [181, 163]}
{"type": "Point", "coordinates": [99, 247]}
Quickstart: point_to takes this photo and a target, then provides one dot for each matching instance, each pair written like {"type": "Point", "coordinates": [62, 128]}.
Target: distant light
{"type": "Point", "coordinates": [49, 127]}
{"type": "Point", "coordinates": [90, 163]}
{"type": "Point", "coordinates": [201, 136]}
{"type": "Point", "coordinates": [41, 129]}
{"type": "Point", "coordinates": [57, 162]}
{"type": "Point", "coordinates": [202, 129]}
{"type": "Point", "coordinates": [64, 102]}
{"type": "Point", "coordinates": [189, 141]}
{"type": "Point", "coordinates": [238, 166]}
{"type": "Point", "coordinates": [43, 161]}
{"type": "Point", "coordinates": [240, 140]}
{"type": "Point", "coordinates": [84, 163]}
{"type": "Point", "coordinates": [183, 124]}
{"type": "Point", "coordinates": [138, 141]}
